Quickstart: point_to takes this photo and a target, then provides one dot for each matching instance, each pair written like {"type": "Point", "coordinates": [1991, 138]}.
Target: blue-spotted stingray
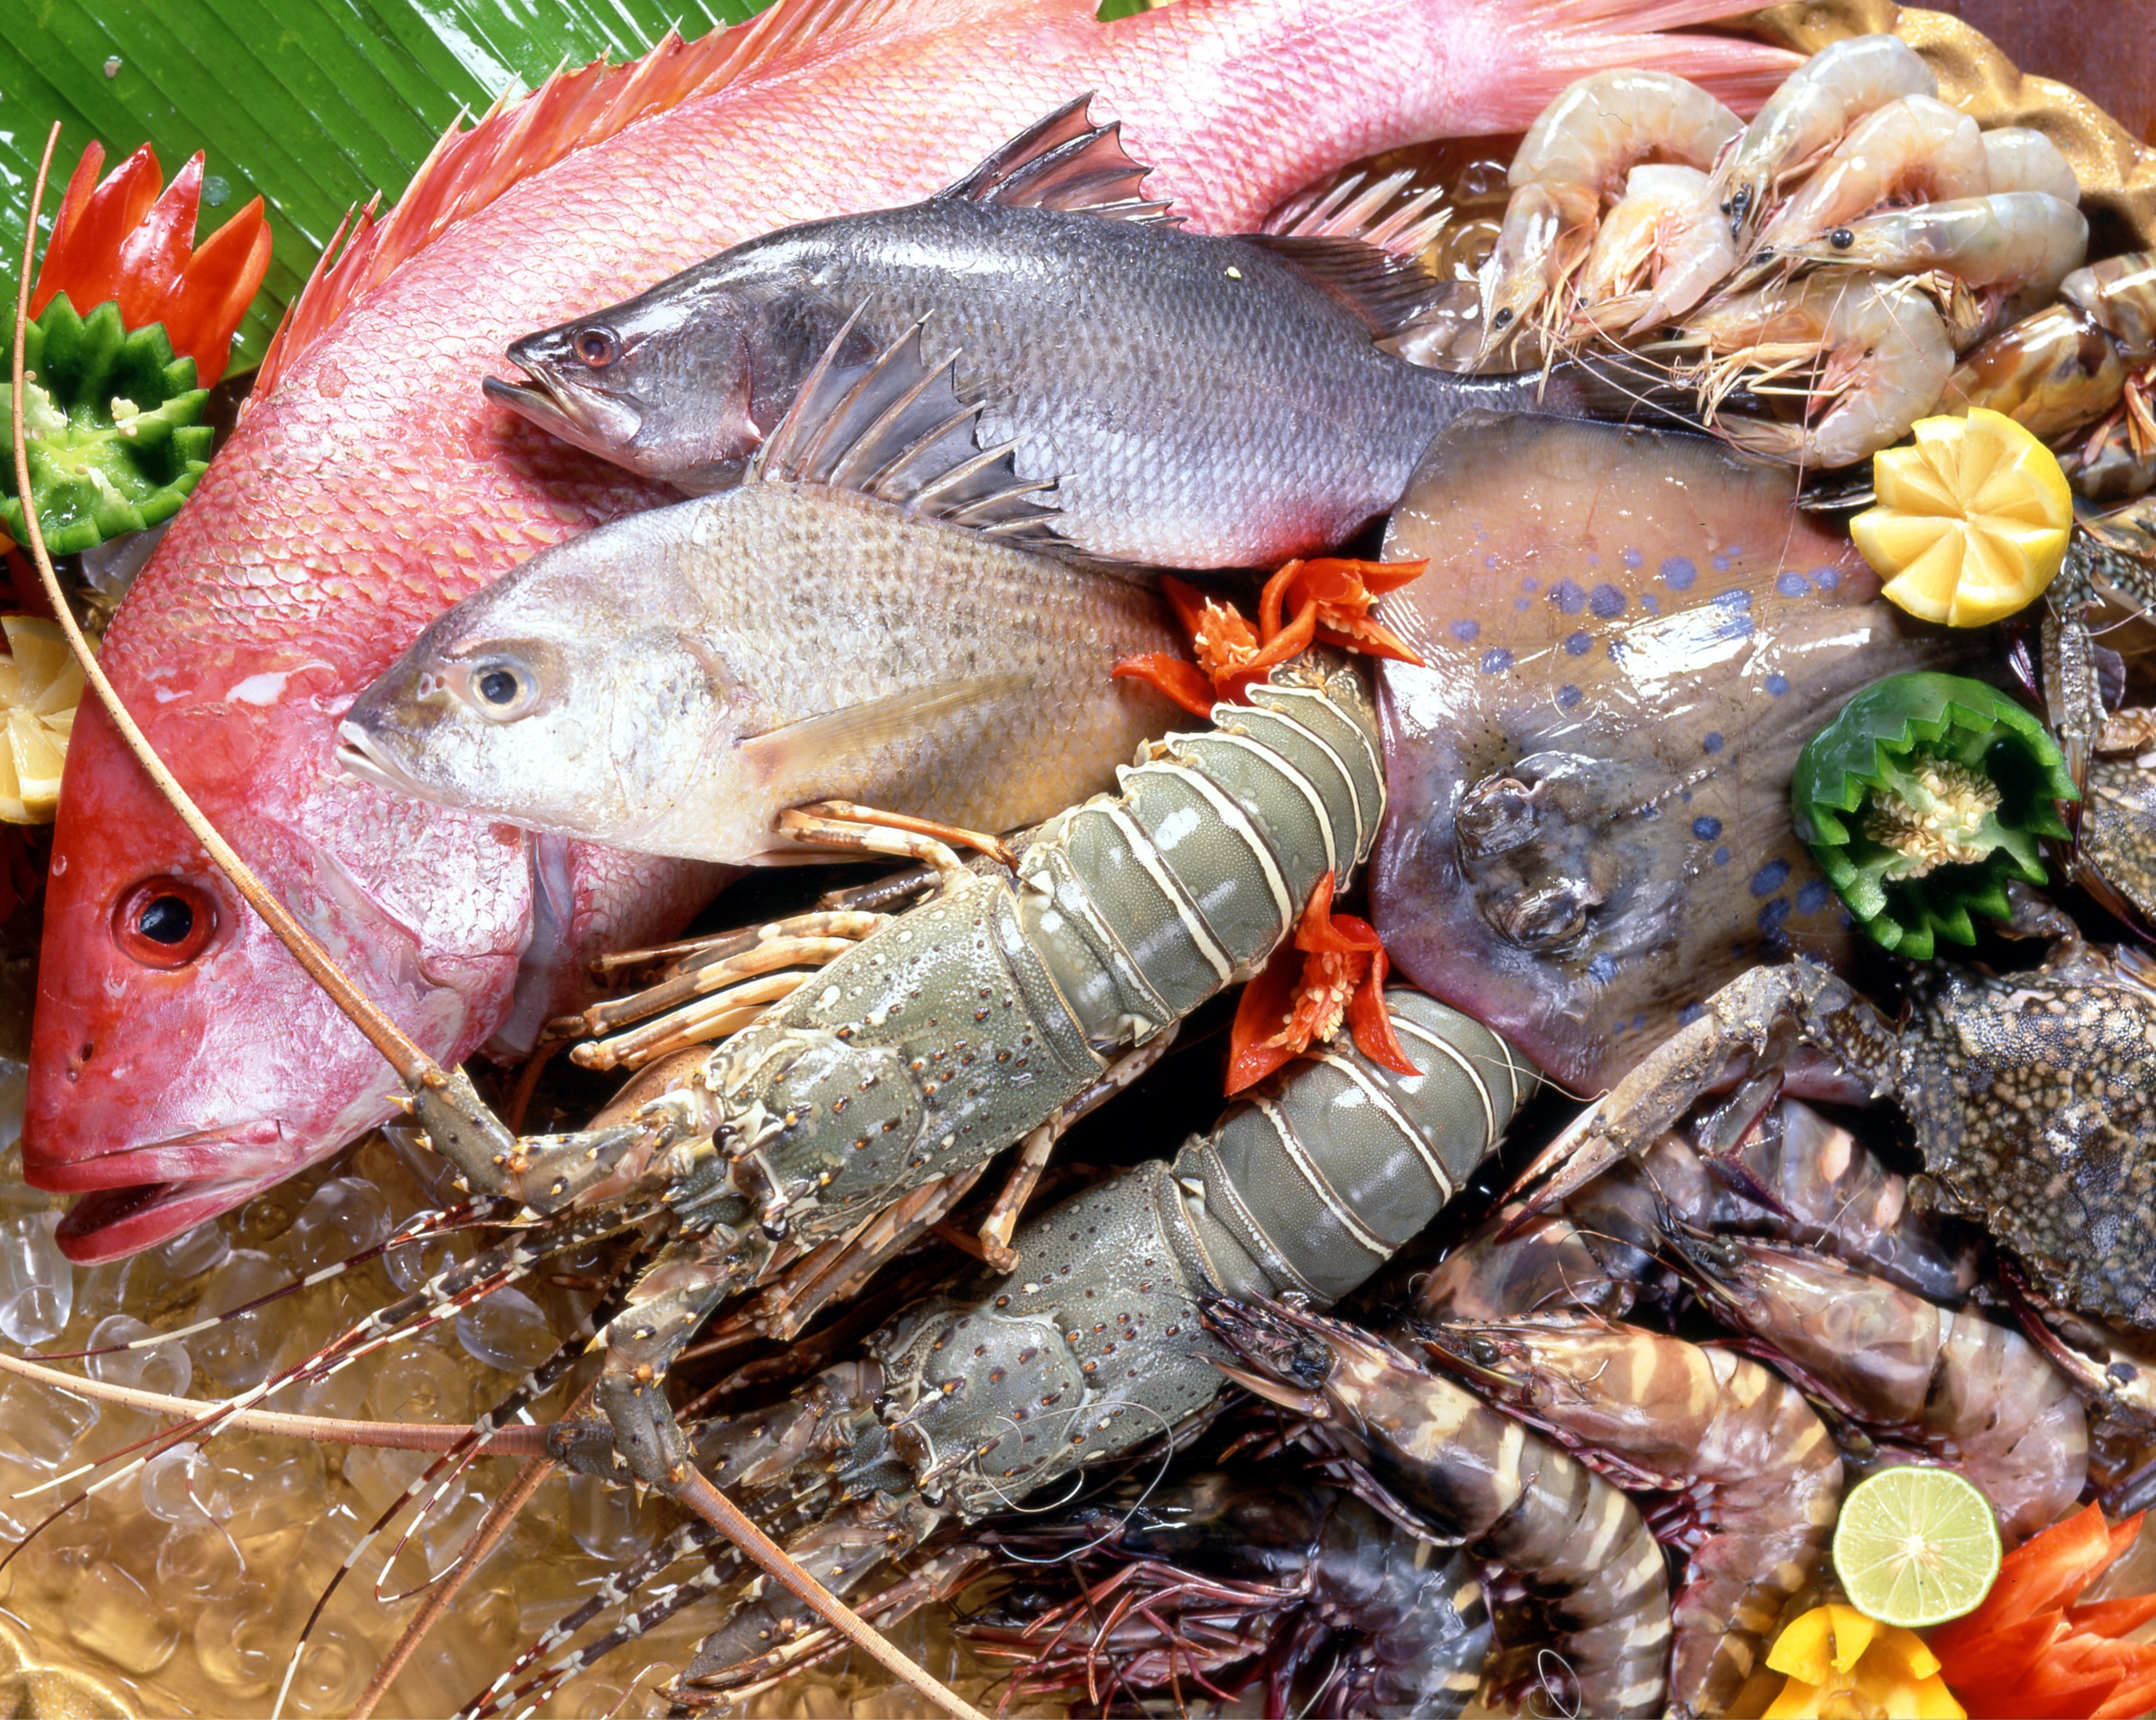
{"type": "Point", "coordinates": [1628, 637]}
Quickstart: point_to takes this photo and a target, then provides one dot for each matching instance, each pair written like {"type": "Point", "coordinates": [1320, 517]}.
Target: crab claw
{"type": "Point", "coordinates": [1580, 1153]}
{"type": "Point", "coordinates": [1334, 971]}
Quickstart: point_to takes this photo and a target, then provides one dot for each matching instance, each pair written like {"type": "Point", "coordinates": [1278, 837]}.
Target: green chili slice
{"type": "Point", "coordinates": [1922, 799]}
{"type": "Point", "coordinates": [113, 424]}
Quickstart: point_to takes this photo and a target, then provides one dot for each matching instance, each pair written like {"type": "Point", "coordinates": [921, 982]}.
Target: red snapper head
{"type": "Point", "coordinates": [181, 1060]}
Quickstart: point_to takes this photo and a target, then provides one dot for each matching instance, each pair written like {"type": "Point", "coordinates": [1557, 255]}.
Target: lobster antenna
{"type": "Point", "coordinates": [457, 1103]}
{"type": "Point", "coordinates": [413, 1066]}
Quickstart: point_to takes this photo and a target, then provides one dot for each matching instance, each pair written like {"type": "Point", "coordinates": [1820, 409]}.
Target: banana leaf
{"type": "Point", "coordinates": [314, 104]}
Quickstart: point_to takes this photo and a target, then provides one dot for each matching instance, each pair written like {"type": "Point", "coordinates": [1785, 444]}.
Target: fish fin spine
{"type": "Point", "coordinates": [1370, 210]}
{"type": "Point", "coordinates": [1388, 291]}
{"type": "Point", "coordinates": [1064, 162]}
{"type": "Point", "coordinates": [466, 170]}
{"type": "Point", "coordinates": [900, 430]}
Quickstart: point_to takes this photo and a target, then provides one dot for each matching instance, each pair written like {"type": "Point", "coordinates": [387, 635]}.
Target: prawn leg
{"type": "Point", "coordinates": [1747, 1029]}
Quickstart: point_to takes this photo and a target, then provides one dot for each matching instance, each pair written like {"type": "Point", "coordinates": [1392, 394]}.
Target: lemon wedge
{"type": "Point", "coordinates": [1972, 522]}
{"type": "Point", "coordinates": [40, 685]}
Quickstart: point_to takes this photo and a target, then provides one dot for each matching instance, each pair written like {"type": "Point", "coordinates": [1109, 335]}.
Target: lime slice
{"type": "Point", "coordinates": [1915, 1547]}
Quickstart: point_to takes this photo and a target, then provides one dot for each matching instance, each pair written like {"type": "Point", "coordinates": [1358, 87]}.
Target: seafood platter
{"type": "Point", "coordinates": [936, 856]}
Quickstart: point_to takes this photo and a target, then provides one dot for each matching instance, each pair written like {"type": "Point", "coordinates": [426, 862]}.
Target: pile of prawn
{"type": "Point", "coordinates": [1861, 255]}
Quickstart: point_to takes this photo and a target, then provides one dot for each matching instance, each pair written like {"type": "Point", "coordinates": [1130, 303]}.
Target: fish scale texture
{"type": "Point", "coordinates": [375, 485]}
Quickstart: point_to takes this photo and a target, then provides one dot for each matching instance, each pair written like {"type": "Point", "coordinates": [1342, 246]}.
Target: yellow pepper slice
{"type": "Point", "coordinates": [1972, 522]}
{"type": "Point", "coordinates": [1842, 1665]}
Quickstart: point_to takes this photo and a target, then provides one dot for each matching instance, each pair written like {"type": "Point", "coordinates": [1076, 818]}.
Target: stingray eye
{"type": "Point", "coordinates": [598, 347]}
{"type": "Point", "coordinates": [164, 922]}
{"type": "Point", "coordinates": [500, 688]}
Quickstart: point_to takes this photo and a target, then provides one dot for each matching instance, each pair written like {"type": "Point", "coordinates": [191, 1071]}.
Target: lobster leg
{"type": "Point", "coordinates": [1033, 1152]}
{"type": "Point", "coordinates": [690, 1277]}
{"type": "Point", "coordinates": [875, 818]}
{"type": "Point", "coordinates": [815, 826]}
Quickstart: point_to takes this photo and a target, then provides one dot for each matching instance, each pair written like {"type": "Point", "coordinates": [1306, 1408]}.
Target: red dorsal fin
{"type": "Point", "coordinates": [467, 171]}
{"type": "Point", "coordinates": [1371, 210]}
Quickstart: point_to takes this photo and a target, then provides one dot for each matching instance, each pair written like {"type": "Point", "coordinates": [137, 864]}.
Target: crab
{"type": "Point", "coordinates": [2110, 568]}
{"type": "Point", "coordinates": [2031, 1097]}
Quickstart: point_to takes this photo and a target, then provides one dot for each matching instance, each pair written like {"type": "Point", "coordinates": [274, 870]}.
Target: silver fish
{"type": "Point", "coordinates": [877, 614]}
{"type": "Point", "coordinates": [1205, 401]}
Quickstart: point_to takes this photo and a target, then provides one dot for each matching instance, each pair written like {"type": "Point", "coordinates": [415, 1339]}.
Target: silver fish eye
{"type": "Point", "coordinates": [499, 688]}
{"type": "Point", "coordinates": [596, 347]}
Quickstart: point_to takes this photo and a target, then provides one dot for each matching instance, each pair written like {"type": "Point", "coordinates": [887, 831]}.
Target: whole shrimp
{"type": "Point", "coordinates": [2009, 241]}
{"type": "Point", "coordinates": [1576, 156]}
{"type": "Point", "coordinates": [1915, 149]}
{"type": "Point", "coordinates": [1337, 1609]}
{"type": "Point", "coordinates": [2068, 365]}
{"type": "Point", "coordinates": [1816, 104]}
{"type": "Point", "coordinates": [1474, 1472]}
{"type": "Point", "coordinates": [1877, 352]}
{"type": "Point", "coordinates": [1977, 1396]}
{"type": "Point", "coordinates": [1792, 1176]}
{"type": "Point", "coordinates": [1755, 1473]}
{"type": "Point", "coordinates": [1659, 253]}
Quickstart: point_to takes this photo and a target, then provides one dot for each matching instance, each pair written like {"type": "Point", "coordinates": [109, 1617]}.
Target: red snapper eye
{"type": "Point", "coordinates": [596, 347]}
{"type": "Point", "coordinates": [164, 922]}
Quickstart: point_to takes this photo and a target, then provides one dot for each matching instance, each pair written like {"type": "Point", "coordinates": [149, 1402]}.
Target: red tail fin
{"type": "Point", "coordinates": [1563, 40]}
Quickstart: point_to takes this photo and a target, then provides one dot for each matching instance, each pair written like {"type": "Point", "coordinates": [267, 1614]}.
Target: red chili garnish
{"type": "Point", "coordinates": [121, 241]}
{"type": "Point", "coordinates": [1330, 600]}
{"type": "Point", "coordinates": [1334, 969]}
{"type": "Point", "coordinates": [2032, 1647]}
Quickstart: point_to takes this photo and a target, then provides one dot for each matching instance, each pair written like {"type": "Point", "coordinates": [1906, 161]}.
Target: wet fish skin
{"type": "Point", "coordinates": [1203, 401]}
{"type": "Point", "coordinates": [1628, 635]}
{"type": "Point", "coordinates": [371, 486]}
{"type": "Point", "coordinates": [652, 654]}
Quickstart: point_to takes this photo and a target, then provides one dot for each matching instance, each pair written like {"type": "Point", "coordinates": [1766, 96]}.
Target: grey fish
{"type": "Point", "coordinates": [876, 615]}
{"type": "Point", "coordinates": [1205, 401]}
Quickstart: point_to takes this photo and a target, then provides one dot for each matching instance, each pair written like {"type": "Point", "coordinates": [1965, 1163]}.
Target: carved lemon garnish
{"type": "Point", "coordinates": [1972, 522]}
{"type": "Point", "coordinates": [40, 685]}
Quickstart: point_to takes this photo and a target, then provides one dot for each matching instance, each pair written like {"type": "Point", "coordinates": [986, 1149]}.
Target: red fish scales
{"type": "Point", "coordinates": [371, 486]}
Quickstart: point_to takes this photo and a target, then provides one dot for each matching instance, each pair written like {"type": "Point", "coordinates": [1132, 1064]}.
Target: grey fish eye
{"type": "Point", "coordinates": [596, 347]}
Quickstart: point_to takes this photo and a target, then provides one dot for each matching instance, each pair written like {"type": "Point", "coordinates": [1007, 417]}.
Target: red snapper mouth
{"type": "Point", "coordinates": [108, 1223]}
